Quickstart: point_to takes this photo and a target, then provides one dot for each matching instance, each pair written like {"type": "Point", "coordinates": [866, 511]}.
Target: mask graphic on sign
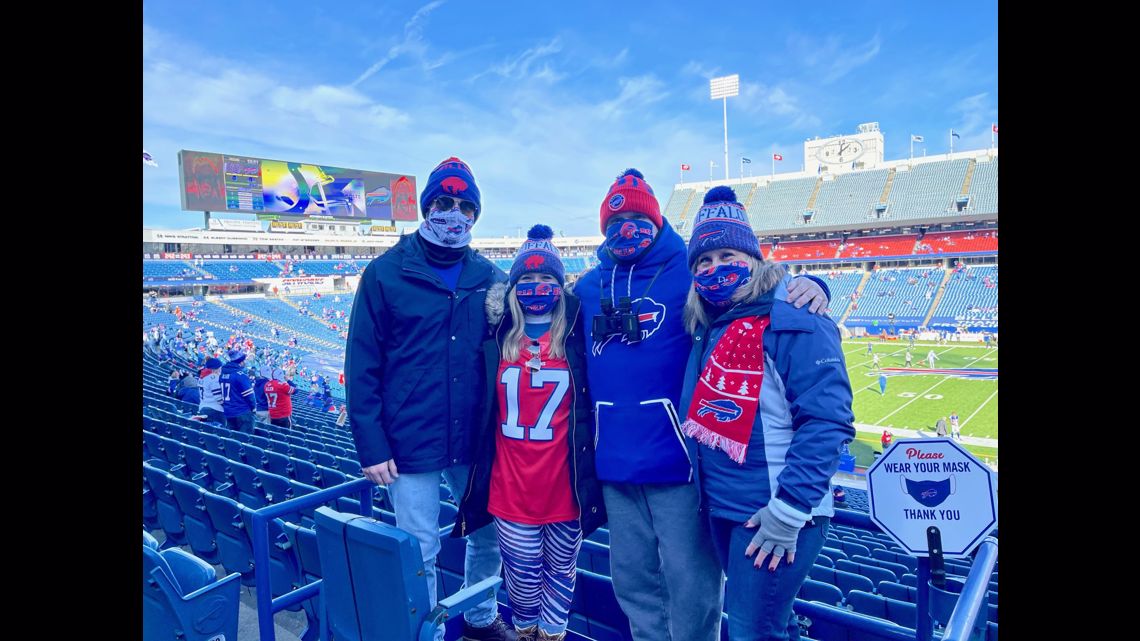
{"type": "Point", "coordinates": [929, 493]}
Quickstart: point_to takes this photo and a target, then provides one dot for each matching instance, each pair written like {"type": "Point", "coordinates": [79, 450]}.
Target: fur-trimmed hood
{"type": "Point", "coordinates": [496, 304]}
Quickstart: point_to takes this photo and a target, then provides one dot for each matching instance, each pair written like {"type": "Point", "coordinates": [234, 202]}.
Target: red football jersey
{"type": "Point", "coordinates": [531, 481]}
{"type": "Point", "coordinates": [280, 399]}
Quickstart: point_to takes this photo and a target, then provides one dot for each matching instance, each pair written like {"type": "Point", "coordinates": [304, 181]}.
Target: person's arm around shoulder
{"type": "Point", "coordinates": [806, 289]}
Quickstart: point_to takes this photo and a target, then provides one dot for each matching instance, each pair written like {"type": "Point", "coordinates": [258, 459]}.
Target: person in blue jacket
{"type": "Point", "coordinates": [237, 393]}
{"type": "Point", "coordinates": [261, 407]}
{"type": "Point", "coordinates": [767, 411]}
{"type": "Point", "coordinates": [414, 375]}
{"type": "Point", "coordinates": [665, 572]}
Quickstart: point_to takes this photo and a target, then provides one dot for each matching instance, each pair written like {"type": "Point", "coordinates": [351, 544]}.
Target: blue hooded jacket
{"type": "Point", "coordinates": [803, 421]}
{"type": "Point", "coordinates": [237, 389]}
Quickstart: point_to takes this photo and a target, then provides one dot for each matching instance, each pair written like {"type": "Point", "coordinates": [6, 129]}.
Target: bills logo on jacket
{"type": "Point", "coordinates": [650, 316]}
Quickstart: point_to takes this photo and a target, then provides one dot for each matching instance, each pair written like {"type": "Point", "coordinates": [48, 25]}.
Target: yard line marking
{"type": "Point", "coordinates": [920, 395]}
{"type": "Point", "coordinates": [963, 423]}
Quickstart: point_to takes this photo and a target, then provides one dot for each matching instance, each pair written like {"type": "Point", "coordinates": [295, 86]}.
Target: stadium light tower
{"type": "Point", "coordinates": [724, 88]}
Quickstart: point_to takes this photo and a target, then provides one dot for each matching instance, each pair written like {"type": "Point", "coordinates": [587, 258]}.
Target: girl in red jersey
{"type": "Point", "coordinates": [533, 458]}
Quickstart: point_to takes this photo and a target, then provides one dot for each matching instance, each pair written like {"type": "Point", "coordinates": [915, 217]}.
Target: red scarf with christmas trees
{"type": "Point", "coordinates": [727, 395]}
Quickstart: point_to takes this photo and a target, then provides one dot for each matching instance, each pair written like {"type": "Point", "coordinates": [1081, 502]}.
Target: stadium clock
{"type": "Point", "coordinates": [839, 151]}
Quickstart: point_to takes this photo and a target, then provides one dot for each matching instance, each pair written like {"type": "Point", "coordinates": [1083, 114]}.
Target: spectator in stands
{"type": "Point", "coordinates": [527, 484]}
{"type": "Point", "coordinates": [414, 368]}
{"type": "Point", "coordinates": [839, 497]}
{"type": "Point", "coordinates": [210, 401]}
{"type": "Point", "coordinates": [261, 403]}
{"type": "Point", "coordinates": [237, 393]}
{"type": "Point", "coordinates": [173, 381]}
{"type": "Point", "coordinates": [279, 396]}
{"type": "Point", "coordinates": [662, 557]}
{"type": "Point", "coordinates": [766, 492]}
{"type": "Point", "coordinates": [187, 389]}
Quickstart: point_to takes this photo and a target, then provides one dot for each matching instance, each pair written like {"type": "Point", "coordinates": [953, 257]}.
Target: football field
{"type": "Point", "coordinates": [917, 397]}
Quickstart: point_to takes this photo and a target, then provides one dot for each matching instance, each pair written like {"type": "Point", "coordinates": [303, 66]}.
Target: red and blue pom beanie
{"type": "Point", "coordinates": [630, 193]}
{"type": "Point", "coordinates": [538, 255]}
{"type": "Point", "coordinates": [720, 223]}
{"type": "Point", "coordinates": [451, 177]}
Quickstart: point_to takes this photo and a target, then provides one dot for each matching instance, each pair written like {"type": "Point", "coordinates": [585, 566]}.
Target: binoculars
{"type": "Point", "coordinates": [620, 320]}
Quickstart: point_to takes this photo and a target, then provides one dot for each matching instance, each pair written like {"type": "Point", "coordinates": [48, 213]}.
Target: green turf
{"type": "Point", "coordinates": [917, 402]}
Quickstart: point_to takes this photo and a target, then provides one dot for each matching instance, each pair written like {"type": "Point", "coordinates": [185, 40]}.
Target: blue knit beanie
{"type": "Point", "coordinates": [720, 223]}
{"type": "Point", "coordinates": [451, 177]}
{"type": "Point", "coordinates": [538, 255]}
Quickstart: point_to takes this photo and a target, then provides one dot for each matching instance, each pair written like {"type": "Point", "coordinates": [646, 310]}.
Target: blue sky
{"type": "Point", "coordinates": [547, 106]}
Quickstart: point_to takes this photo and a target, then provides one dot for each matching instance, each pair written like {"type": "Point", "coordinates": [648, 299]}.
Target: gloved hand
{"type": "Point", "coordinates": [779, 529]}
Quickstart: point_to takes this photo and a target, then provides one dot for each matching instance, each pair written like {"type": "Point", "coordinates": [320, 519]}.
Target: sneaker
{"type": "Point", "coordinates": [498, 630]}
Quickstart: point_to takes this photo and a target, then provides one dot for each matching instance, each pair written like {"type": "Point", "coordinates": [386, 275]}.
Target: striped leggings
{"type": "Point", "coordinates": [539, 566]}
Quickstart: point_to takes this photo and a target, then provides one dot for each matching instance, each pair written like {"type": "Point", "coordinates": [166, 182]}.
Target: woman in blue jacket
{"type": "Point", "coordinates": [533, 462]}
{"type": "Point", "coordinates": [768, 410]}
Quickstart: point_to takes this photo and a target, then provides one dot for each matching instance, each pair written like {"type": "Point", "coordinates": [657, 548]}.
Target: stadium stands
{"type": "Point", "coordinates": [971, 299]}
{"type": "Point", "coordinates": [899, 291]}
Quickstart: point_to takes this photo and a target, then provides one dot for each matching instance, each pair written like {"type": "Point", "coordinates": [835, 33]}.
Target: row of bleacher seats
{"type": "Point", "coordinates": [924, 190]}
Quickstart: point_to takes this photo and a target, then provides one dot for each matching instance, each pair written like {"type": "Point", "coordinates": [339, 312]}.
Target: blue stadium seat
{"type": "Point", "coordinates": [897, 568]}
{"type": "Point", "coordinates": [845, 581]}
{"type": "Point", "coordinates": [900, 612]}
{"type": "Point", "coordinates": [825, 561]}
{"type": "Point", "coordinates": [375, 605]}
{"type": "Point", "coordinates": [248, 485]}
{"type": "Point", "coordinates": [898, 591]}
{"type": "Point", "coordinates": [910, 562]}
{"type": "Point", "coordinates": [909, 579]}
{"type": "Point", "coordinates": [329, 477]}
{"type": "Point", "coordinates": [233, 540]}
{"type": "Point", "coordinates": [595, 557]}
{"type": "Point", "coordinates": [832, 553]}
{"type": "Point", "coordinates": [169, 515]}
{"type": "Point", "coordinates": [595, 600]}
{"type": "Point", "coordinates": [813, 590]}
{"type": "Point", "coordinates": [305, 471]}
{"type": "Point", "coordinates": [200, 533]}
{"type": "Point", "coordinates": [184, 600]}
{"type": "Point", "coordinates": [851, 547]}
{"type": "Point", "coordinates": [149, 540]}
{"type": "Point", "coordinates": [872, 572]}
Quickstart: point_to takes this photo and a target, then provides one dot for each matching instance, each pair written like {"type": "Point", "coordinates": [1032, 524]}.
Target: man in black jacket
{"type": "Point", "coordinates": [414, 375]}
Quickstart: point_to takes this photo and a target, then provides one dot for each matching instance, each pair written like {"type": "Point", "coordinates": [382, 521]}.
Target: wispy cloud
{"type": "Point", "coordinates": [766, 104]}
{"type": "Point", "coordinates": [829, 57]}
{"type": "Point", "coordinates": [526, 64]}
{"type": "Point", "coordinates": [636, 92]}
{"type": "Point", "coordinates": [412, 42]}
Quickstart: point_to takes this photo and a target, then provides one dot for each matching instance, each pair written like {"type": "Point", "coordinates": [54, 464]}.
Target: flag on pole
{"type": "Point", "coordinates": [916, 138]}
{"type": "Point", "coordinates": [954, 133]}
{"type": "Point", "coordinates": [685, 167]}
{"type": "Point", "coordinates": [148, 159]}
{"type": "Point", "coordinates": [747, 161]}
{"type": "Point", "coordinates": [777, 157]}
{"type": "Point", "coordinates": [995, 127]}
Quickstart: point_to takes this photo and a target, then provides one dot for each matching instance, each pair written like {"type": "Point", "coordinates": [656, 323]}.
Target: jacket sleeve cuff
{"type": "Point", "coordinates": [787, 512]}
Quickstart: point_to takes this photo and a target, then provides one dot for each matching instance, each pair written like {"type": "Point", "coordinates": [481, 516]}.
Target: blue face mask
{"type": "Point", "coordinates": [717, 284]}
{"type": "Point", "coordinates": [538, 298]}
{"type": "Point", "coordinates": [628, 239]}
{"type": "Point", "coordinates": [929, 493]}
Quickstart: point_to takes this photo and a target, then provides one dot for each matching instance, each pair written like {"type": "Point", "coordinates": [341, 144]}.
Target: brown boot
{"type": "Point", "coordinates": [543, 635]}
{"type": "Point", "coordinates": [528, 633]}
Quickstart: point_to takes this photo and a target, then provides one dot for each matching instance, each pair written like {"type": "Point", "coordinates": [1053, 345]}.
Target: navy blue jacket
{"type": "Point", "coordinates": [237, 390]}
{"type": "Point", "coordinates": [803, 421]}
{"type": "Point", "coordinates": [587, 489]}
{"type": "Point", "coordinates": [259, 393]}
{"type": "Point", "coordinates": [413, 369]}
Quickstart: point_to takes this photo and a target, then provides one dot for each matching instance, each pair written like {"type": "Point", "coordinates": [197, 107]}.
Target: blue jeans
{"type": "Point", "coordinates": [242, 423]}
{"type": "Point", "coordinates": [416, 500]}
{"type": "Point", "coordinates": [758, 601]}
{"type": "Point", "coordinates": [665, 571]}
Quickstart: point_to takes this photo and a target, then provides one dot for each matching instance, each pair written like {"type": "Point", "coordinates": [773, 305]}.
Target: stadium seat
{"type": "Point", "coordinates": [898, 591]}
{"type": "Point", "coordinates": [832, 553]}
{"type": "Point", "coordinates": [897, 568]}
{"type": "Point", "coordinates": [248, 485]}
{"type": "Point", "coordinates": [910, 562]}
{"type": "Point", "coordinates": [851, 547]}
{"type": "Point", "coordinates": [200, 533]}
{"type": "Point", "coordinates": [845, 581]}
{"type": "Point", "coordinates": [169, 515]}
{"type": "Point", "coordinates": [595, 557]}
{"type": "Point", "coordinates": [900, 612]}
{"type": "Point", "coordinates": [872, 572]}
{"type": "Point", "coordinates": [812, 590]}
{"type": "Point", "coordinates": [305, 471]}
{"type": "Point", "coordinates": [374, 605]}
{"type": "Point", "coordinates": [234, 545]}
{"type": "Point", "coordinates": [183, 600]}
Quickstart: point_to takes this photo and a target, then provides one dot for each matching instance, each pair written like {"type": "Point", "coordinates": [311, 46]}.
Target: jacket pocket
{"type": "Point", "coordinates": [640, 441]}
{"type": "Point", "coordinates": [397, 395]}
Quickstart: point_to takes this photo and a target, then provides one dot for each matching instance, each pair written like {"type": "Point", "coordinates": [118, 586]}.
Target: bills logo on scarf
{"type": "Point", "coordinates": [727, 396]}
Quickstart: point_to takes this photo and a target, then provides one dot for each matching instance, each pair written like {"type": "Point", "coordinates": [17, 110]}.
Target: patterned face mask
{"type": "Point", "coordinates": [538, 298]}
{"type": "Point", "coordinates": [717, 284]}
{"type": "Point", "coordinates": [629, 238]}
{"type": "Point", "coordinates": [447, 228]}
